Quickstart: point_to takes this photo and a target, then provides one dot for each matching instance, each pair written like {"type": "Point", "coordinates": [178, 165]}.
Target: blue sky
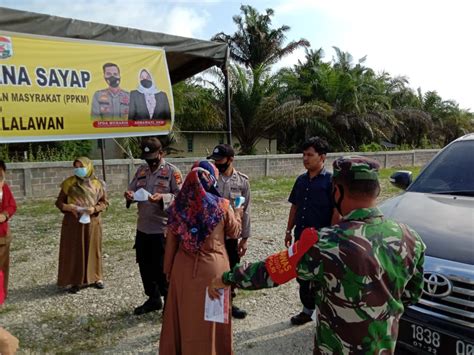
{"type": "Point", "coordinates": [429, 41]}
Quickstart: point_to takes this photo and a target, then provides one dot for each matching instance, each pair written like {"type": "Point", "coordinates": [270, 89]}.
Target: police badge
{"type": "Point", "coordinates": [6, 47]}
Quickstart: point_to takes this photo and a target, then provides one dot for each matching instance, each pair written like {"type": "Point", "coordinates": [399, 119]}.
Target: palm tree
{"type": "Point", "coordinates": [256, 43]}
{"type": "Point", "coordinates": [261, 107]}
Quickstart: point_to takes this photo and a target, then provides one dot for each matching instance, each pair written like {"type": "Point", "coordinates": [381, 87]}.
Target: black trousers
{"type": "Point", "coordinates": [232, 248]}
{"type": "Point", "coordinates": [307, 291]}
{"type": "Point", "coordinates": [150, 250]}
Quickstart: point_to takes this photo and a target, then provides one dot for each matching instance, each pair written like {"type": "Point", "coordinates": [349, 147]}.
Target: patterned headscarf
{"type": "Point", "coordinates": [197, 209]}
{"type": "Point", "coordinates": [83, 192]}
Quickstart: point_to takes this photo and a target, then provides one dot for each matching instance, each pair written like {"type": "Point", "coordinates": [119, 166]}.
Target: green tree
{"type": "Point", "coordinates": [256, 43]}
{"type": "Point", "coordinates": [259, 106]}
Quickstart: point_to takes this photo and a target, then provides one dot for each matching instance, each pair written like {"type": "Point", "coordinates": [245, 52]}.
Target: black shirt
{"type": "Point", "coordinates": [313, 199]}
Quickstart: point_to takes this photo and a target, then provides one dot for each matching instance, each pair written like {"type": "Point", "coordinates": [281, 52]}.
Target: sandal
{"type": "Point", "coordinates": [99, 285]}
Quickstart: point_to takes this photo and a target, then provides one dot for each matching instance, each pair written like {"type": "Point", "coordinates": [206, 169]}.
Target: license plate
{"type": "Point", "coordinates": [429, 341]}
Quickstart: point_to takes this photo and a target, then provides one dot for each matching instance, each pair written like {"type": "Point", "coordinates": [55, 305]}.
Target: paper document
{"type": "Point", "coordinates": [141, 195]}
{"type": "Point", "coordinates": [217, 310]}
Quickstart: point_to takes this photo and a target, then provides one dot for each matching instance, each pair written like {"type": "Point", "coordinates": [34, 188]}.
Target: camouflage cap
{"type": "Point", "coordinates": [356, 168]}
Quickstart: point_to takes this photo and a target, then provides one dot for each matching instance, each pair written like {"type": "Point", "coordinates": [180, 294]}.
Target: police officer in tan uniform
{"type": "Point", "coordinates": [111, 103]}
{"type": "Point", "coordinates": [163, 181]}
{"type": "Point", "coordinates": [231, 184]}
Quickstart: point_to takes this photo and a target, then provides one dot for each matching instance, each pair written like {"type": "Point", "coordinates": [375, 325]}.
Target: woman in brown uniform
{"type": "Point", "coordinates": [82, 198]}
{"type": "Point", "coordinates": [195, 254]}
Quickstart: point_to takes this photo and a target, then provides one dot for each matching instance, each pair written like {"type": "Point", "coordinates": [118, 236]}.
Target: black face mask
{"type": "Point", "coordinates": [146, 83]}
{"type": "Point", "coordinates": [153, 162]}
{"type": "Point", "coordinates": [222, 167]}
{"type": "Point", "coordinates": [338, 203]}
{"type": "Point", "coordinates": [113, 81]}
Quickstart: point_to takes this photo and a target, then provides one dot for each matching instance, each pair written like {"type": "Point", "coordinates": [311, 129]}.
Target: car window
{"type": "Point", "coordinates": [452, 171]}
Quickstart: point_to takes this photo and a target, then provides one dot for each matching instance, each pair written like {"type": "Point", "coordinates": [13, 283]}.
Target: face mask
{"type": "Point", "coordinates": [80, 172]}
{"type": "Point", "coordinates": [222, 167]}
{"type": "Point", "coordinates": [208, 181]}
{"type": "Point", "coordinates": [146, 83]}
{"type": "Point", "coordinates": [338, 203]}
{"type": "Point", "coordinates": [152, 162]}
{"type": "Point", "coordinates": [113, 81]}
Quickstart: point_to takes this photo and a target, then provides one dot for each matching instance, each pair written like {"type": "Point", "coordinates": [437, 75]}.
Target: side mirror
{"type": "Point", "coordinates": [401, 179]}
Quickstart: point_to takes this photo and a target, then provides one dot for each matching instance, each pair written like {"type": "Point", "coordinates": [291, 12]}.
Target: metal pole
{"type": "Point", "coordinates": [102, 144]}
{"type": "Point", "coordinates": [227, 106]}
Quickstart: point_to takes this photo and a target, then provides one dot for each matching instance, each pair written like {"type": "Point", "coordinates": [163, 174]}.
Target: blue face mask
{"type": "Point", "coordinates": [80, 172]}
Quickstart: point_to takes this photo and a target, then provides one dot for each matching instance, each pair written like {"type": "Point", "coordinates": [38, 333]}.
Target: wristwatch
{"type": "Point", "coordinates": [288, 231]}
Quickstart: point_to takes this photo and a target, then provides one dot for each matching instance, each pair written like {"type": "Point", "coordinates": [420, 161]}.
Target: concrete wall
{"type": "Point", "coordinates": [202, 145]}
{"type": "Point", "coordinates": [43, 179]}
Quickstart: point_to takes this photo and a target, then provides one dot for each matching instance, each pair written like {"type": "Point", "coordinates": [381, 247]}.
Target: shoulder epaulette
{"type": "Point", "coordinates": [243, 175]}
{"type": "Point", "coordinates": [174, 167]}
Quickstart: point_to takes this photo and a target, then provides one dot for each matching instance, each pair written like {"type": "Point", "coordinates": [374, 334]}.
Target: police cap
{"type": "Point", "coordinates": [222, 151]}
{"type": "Point", "coordinates": [150, 147]}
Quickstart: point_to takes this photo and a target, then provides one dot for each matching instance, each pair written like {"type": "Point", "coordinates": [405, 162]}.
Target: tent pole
{"type": "Point", "coordinates": [227, 106]}
{"type": "Point", "coordinates": [102, 144]}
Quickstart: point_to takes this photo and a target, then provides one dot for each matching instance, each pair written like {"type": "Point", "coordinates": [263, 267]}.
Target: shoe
{"type": "Point", "coordinates": [150, 305]}
{"type": "Point", "coordinates": [99, 285]}
{"type": "Point", "coordinates": [238, 313]}
{"type": "Point", "coordinates": [73, 289]}
{"type": "Point", "coordinates": [300, 319]}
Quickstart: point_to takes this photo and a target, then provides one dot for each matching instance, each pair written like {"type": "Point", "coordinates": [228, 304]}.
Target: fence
{"type": "Point", "coordinates": [34, 180]}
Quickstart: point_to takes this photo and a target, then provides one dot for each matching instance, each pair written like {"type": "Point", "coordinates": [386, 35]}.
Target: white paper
{"type": "Point", "coordinates": [217, 310]}
{"type": "Point", "coordinates": [85, 218]}
{"type": "Point", "coordinates": [141, 195]}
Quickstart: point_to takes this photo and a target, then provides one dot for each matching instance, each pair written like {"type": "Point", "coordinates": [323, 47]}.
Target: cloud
{"type": "Point", "coordinates": [164, 16]}
{"type": "Point", "coordinates": [185, 22]}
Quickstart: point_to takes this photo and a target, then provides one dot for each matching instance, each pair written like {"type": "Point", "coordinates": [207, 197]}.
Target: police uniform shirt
{"type": "Point", "coordinates": [166, 180]}
{"type": "Point", "coordinates": [313, 199]}
{"type": "Point", "coordinates": [230, 188]}
{"type": "Point", "coordinates": [106, 104]}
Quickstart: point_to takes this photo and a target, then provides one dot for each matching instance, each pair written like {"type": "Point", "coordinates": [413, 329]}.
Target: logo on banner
{"type": "Point", "coordinates": [6, 47]}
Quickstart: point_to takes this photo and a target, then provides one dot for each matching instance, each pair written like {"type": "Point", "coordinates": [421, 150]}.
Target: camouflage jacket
{"type": "Point", "coordinates": [368, 269]}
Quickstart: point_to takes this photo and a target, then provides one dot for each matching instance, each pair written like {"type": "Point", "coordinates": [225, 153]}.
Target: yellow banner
{"type": "Point", "coordinates": [62, 89]}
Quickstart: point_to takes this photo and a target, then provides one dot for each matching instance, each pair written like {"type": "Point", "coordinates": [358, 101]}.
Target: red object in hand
{"type": "Point", "coordinates": [282, 266]}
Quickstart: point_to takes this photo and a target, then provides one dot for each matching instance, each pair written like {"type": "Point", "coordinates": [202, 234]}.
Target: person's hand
{"type": "Point", "coordinates": [128, 195]}
{"type": "Point", "coordinates": [90, 210]}
{"type": "Point", "coordinates": [8, 343]}
{"type": "Point", "coordinates": [3, 218]}
{"type": "Point", "coordinates": [242, 248]}
{"type": "Point", "coordinates": [239, 211]}
{"type": "Point", "coordinates": [156, 197]}
{"type": "Point", "coordinates": [288, 239]}
{"type": "Point", "coordinates": [71, 208]}
{"type": "Point", "coordinates": [214, 286]}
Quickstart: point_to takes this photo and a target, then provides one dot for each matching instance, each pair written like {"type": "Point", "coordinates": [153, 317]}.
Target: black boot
{"type": "Point", "coordinates": [150, 305]}
{"type": "Point", "coordinates": [238, 313]}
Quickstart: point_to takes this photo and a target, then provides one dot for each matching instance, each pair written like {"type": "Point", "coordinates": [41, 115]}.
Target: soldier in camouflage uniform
{"type": "Point", "coordinates": [368, 268]}
{"type": "Point", "coordinates": [111, 103]}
